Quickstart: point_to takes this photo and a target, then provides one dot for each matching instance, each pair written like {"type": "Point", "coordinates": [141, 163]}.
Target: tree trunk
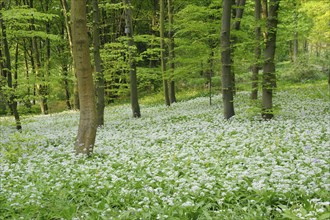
{"type": "Point", "coordinates": [153, 26]}
{"type": "Point", "coordinates": [66, 86]}
{"type": "Point", "coordinates": [65, 7]}
{"type": "Point", "coordinates": [269, 78]}
{"type": "Point", "coordinates": [162, 51]}
{"type": "Point", "coordinates": [227, 87]}
{"type": "Point", "coordinates": [12, 103]}
{"type": "Point", "coordinates": [100, 82]}
{"type": "Point", "coordinates": [295, 47]}
{"type": "Point", "coordinates": [65, 70]}
{"type": "Point", "coordinates": [306, 46]}
{"type": "Point", "coordinates": [295, 37]}
{"type": "Point", "coordinates": [27, 100]}
{"type": "Point", "coordinates": [41, 87]}
{"type": "Point", "coordinates": [257, 51]}
{"type": "Point", "coordinates": [88, 120]}
{"type": "Point", "coordinates": [47, 67]}
{"type": "Point", "coordinates": [131, 59]}
{"type": "Point", "coordinates": [237, 14]}
{"type": "Point", "coordinates": [210, 74]}
{"type": "Point", "coordinates": [171, 50]}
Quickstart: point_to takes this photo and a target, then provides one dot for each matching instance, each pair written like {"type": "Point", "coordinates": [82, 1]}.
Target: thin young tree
{"type": "Point", "coordinates": [131, 59]}
{"type": "Point", "coordinates": [295, 37]}
{"type": "Point", "coordinates": [65, 69]}
{"type": "Point", "coordinates": [100, 81]}
{"type": "Point", "coordinates": [162, 51]}
{"type": "Point", "coordinates": [237, 15]}
{"type": "Point", "coordinates": [39, 70]}
{"type": "Point", "coordinates": [82, 60]}
{"type": "Point", "coordinates": [170, 10]}
{"type": "Point", "coordinates": [7, 71]}
{"type": "Point", "coordinates": [270, 11]}
{"type": "Point", "coordinates": [227, 81]}
{"type": "Point", "coordinates": [65, 9]}
{"type": "Point", "coordinates": [257, 50]}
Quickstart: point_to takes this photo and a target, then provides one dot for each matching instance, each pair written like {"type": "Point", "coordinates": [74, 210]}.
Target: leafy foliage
{"type": "Point", "coordinates": [20, 19]}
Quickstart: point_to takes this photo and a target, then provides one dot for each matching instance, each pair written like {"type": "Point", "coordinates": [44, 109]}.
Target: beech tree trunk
{"type": "Point", "coordinates": [27, 100]}
{"type": "Point", "coordinates": [295, 35]}
{"type": "Point", "coordinates": [100, 82]}
{"type": "Point", "coordinates": [237, 14]}
{"type": "Point", "coordinates": [295, 47]}
{"type": "Point", "coordinates": [269, 78]}
{"type": "Point", "coordinates": [65, 70]}
{"type": "Point", "coordinates": [162, 52]}
{"type": "Point", "coordinates": [131, 59]}
{"type": "Point", "coordinates": [171, 50]}
{"type": "Point", "coordinates": [210, 73]}
{"type": "Point", "coordinates": [65, 9]}
{"type": "Point", "coordinates": [257, 50]}
{"type": "Point", "coordinates": [227, 81]}
{"type": "Point", "coordinates": [83, 68]}
{"type": "Point", "coordinates": [153, 63]}
{"type": "Point", "coordinates": [7, 72]}
{"type": "Point", "coordinates": [41, 85]}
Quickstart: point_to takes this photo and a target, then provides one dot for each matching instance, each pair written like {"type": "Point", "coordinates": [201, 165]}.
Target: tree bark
{"type": "Point", "coordinates": [153, 26]}
{"type": "Point", "coordinates": [227, 81]}
{"type": "Point", "coordinates": [88, 120]}
{"type": "Point", "coordinates": [237, 15]}
{"type": "Point", "coordinates": [65, 71]}
{"type": "Point", "coordinates": [269, 78]}
{"type": "Point", "coordinates": [65, 9]}
{"type": "Point", "coordinates": [171, 50]}
{"type": "Point", "coordinates": [7, 72]}
{"type": "Point", "coordinates": [27, 100]}
{"type": "Point", "coordinates": [66, 87]}
{"type": "Point", "coordinates": [210, 73]}
{"type": "Point", "coordinates": [41, 87]}
{"type": "Point", "coordinates": [257, 50]}
{"type": "Point", "coordinates": [131, 59]}
{"type": "Point", "coordinates": [100, 82]}
{"type": "Point", "coordinates": [162, 52]}
{"type": "Point", "coordinates": [295, 36]}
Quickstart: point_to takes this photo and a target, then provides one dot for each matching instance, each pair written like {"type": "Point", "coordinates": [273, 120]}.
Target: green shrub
{"type": "Point", "coordinates": [24, 110]}
{"type": "Point", "coordinates": [3, 108]}
{"type": "Point", "coordinates": [302, 71]}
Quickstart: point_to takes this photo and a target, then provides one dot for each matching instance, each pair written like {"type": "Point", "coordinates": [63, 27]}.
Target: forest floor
{"type": "Point", "coordinates": [179, 162]}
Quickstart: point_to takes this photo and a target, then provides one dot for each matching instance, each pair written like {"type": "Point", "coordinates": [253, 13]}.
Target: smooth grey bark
{"type": "Point", "coordinates": [88, 120]}
{"type": "Point", "coordinates": [257, 50]}
{"type": "Point", "coordinates": [227, 81]}
{"type": "Point", "coordinates": [171, 49]}
{"type": "Point", "coordinates": [65, 9]}
{"type": "Point", "coordinates": [65, 72]}
{"type": "Point", "coordinates": [131, 59]}
{"type": "Point", "coordinates": [162, 52]}
{"type": "Point", "coordinates": [237, 15]}
{"type": "Point", "coordinates": [66, 87]}
{"type": "Point", "coordinates": [295, 35]}
{"type": "Point", "coordinates": [210, 73]}
{"type": "Point", "coordinates": [100, 81]}
{"type": "Point", "coordinates": [269, 78]}
{"type": "Point", "coordinates": [240, 5]}
{"type": "Point", "coordinates": [154, 23]}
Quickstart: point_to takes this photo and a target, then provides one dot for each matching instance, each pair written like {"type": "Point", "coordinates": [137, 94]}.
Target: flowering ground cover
{"type": "Point", "coordinates": [181, 162]}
